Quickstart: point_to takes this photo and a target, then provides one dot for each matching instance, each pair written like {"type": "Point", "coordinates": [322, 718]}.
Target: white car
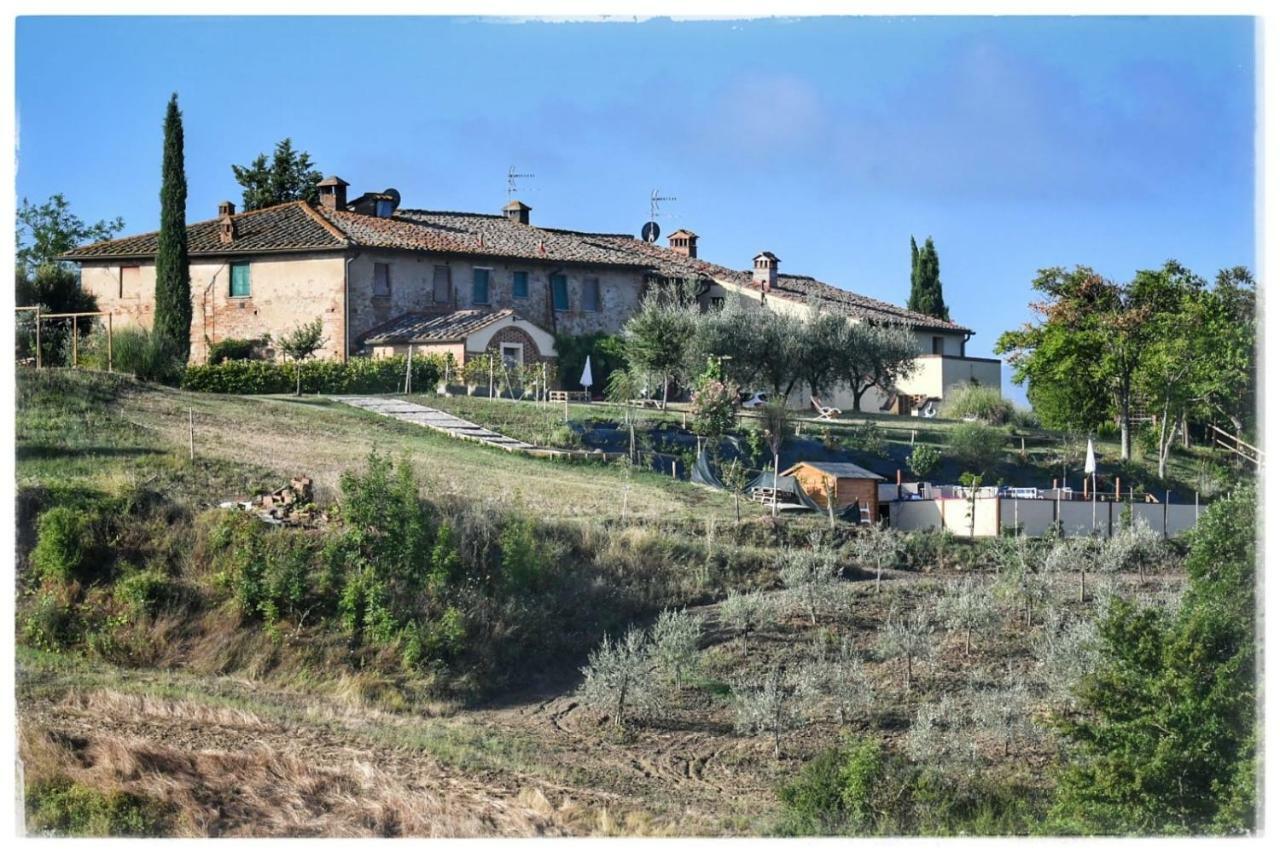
{"type": "Point", "coordinates": [756, 400]}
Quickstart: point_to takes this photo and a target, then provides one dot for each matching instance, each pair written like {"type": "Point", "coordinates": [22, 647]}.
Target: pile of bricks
{"type": "Point", "coordinates": [290, 505]}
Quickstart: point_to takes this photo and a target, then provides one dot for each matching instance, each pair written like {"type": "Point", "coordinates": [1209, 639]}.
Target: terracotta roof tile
{"type": "Point", "coordinates": [434, 328]}
{"type": "Point", "coordinates": [293, 226]}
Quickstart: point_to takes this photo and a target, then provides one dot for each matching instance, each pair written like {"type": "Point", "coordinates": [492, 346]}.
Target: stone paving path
{"type": "Point", "coordinates": [437, 420]}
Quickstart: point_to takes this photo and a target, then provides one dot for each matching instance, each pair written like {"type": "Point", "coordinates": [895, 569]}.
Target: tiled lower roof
{"type": "Point", "coordinates": [416, 328]}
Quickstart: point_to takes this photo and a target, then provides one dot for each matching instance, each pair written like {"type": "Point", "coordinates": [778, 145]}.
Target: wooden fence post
{"type": "Point", "coordinates": [39, 355]}
{"type": "Point", "coordinates": [110, 362]}
{"type": "Point", "coordinates": [191, 434]}
{"type": "Point", "coordinates": [75, 343]}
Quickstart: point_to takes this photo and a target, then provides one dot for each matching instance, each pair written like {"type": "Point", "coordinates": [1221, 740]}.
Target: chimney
{"type": "Point", "coordinates": [226, 222]}
{"type": "Point", "coordinates": [333, 193]}
{"type": "Point", "coordinates": [517, 211]}
{"type": "Point", "coordinates": [765, 271]}
{"type": "Point", "coordinates": [684, 242]}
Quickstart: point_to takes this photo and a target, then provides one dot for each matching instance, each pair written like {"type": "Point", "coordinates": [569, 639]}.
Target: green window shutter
{"type": "Point", "coordinates": [520, 285]}
{"type": "Point", "coordinates": [559, 293]}
{"type": "Point", "coordinates": [480, 287]}
{"type": "Point", "coordinates": [239, 279]}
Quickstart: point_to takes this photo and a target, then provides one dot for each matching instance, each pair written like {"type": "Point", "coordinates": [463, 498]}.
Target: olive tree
{"type": "Point", "coordinates": [769, 706]}
{"type": "Point", "coordinates": [619, 677]}
{"type": "Point", "coordinates": [810, 576]}
{"type": "Point", "coordinates": [879, 546]}
{"type": "Point", "coordinates": [839, 676]}
{"type": "Point", "coordinates": [744, 612]}
{"type": "Point", "coordinates": [675, 644]}
{"type": "Point", "coordinates": [301, 343]}
{"type": "Point", "coordinates": [907, 638]}
{"type": "Point", "coordinates": [1005, 712]}
{"type": "Point", "coordinates": [967, 606]}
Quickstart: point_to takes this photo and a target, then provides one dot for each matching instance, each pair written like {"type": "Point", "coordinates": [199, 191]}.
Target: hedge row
{"type": "Point", "coordinates": [356, 376]}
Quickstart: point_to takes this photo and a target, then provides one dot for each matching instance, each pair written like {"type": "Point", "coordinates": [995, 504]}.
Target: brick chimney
{"type": "Point", "coordinates": [226, 222]}
{"type": "Point", "coordinates": [765, 271]}
{"type": "Point", "coordinates": [517, 211]}
{"type": "Point", "coordinates": [333, 193]}
{"type": "Point", "coordinates": [684, 242]}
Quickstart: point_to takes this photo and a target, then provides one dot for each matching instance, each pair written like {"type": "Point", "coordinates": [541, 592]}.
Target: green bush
{"type": "Point", "coordinates": [135, 350]}
{"type": "Point", "coordinates": [980, 402]}
{"type": "Point", "coordinates": [63, 807]}
{"type": "Point", "coordinates": [143, 591]}
{"type": "Point", "coordinates": [64, 544]}
{"type": "Point", "coordinates": [48, 623]}
{"type": "Point", "coordinates": [842, 791]}
{"type": "Point", "coordinates": [355, 376]}
{"type": "Point", "coordinates": [976, 446]}
{"type": "Point", "coordinates": [235, 349]}
{"type": "Point", "coordinates": [924, 460]}
{"type": "Point", "coordinates": [867, 438]}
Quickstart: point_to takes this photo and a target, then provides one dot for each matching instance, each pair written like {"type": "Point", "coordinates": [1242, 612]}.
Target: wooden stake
{"type": "Point", "coordinates": [109, 350]}
{"type": "Point", "coordinates": [191, 435]}
{"type": "Point", "coordinates": [75, 343]}
{"type": "Point", "coordinates": [39, 357]}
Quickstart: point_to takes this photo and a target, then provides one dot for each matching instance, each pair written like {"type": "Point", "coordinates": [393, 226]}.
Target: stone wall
{"type": "Point", "coordinates": [285, 291]}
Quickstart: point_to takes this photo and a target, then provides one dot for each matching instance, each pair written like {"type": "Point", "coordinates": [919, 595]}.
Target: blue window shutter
{"type": "Point", "coordinates": [480, 287]}
{"type": "Point", "coordinates": [559, 293]}
{"type": "Point", "coordinates": [239, 279]}
{"type": "Point", "coordinates": [520, 285]}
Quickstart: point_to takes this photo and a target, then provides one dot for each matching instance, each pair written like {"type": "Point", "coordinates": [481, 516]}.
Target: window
{"type": "Point", "coordinates": [130, 282]}
{"type": "Point", "coordinates": [937, 345]}
{"type": "Point", "coordinates": [591, 294]}
{"type": "Point", "coordinates": [382, 208]}
{"type": "Point", "coordinates": [382, 280]}
{"type": "Point", "coordinates": [519, 285]}
{"type": "Point", "coordinates": [480, 286]}
{"type": "Point", "coordinates": [239, 280]}
{"type": "Point", "coordinates": [717, 302]}
{"type": "Point", "coordinates": [512, 355]}
{"type": "Point", "coordinates": [559, 293]}
{"type": "Point", "coordinates": [440, 284]}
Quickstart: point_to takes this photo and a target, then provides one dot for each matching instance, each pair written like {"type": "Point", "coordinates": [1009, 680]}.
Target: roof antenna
{"type": "Point", "coordinates": [650, 231]}
{"type": "Point", "coordinates": [654, 200]}
{"type": "Point", "coordinates": [512, 175]}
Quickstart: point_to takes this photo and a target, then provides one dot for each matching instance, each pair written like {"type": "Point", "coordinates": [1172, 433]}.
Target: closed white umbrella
{"type": "Point", "coordinates": [1091, 469]}
{"type": "Point", "coordinates": [1090, 463]}
{"type": "Point", "coordinates": [585, 382]}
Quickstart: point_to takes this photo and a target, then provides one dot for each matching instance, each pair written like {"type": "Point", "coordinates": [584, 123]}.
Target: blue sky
{"type": "Point", "coordinates": [1017, 143]}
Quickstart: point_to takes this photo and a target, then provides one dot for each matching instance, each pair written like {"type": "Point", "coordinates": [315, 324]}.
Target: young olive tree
{"type": "Point", "coordinates": [619, 677]}
{"type": "Point", "coordinates": [675, 644]}
{"type": "Point", "coordinates": [1135, 546]}
{"type": "Point", "coordinates": [1006, 713]}
{"type": "Point", "coordinates": [775, 419]}
{"type": "Point", "coordinates": [967, 606]}
{"type": "Point", "coordinates": [770, 706]}
{"type": "Point", "coordinates": [810, 576]}
{"type": "Point", "coordinates": [838, 676]}
{"type": "Point", "coordinates": [879, 546]}
{"type": "Point", "coordinates": [1072, 556]}
{"type": "Point", "coordinates": [935, 734]}
{"type": "Point", "coordinates": [1022, 575]}
{"type": "Point", "coordinates": [745, 612]}
{"type": "Point", "coordinates": [907, 638]}
{"type": "Point", "coordinates": [1067, 651]}
{"type": "Point", "coordinates": [301, 343]}
{"type": "Point", "coordinates": [734, 476]}
{"type": "Point", "coordinates": [657, 335]}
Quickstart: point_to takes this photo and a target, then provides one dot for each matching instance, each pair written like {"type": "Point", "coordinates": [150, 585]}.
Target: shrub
{"type": "Point", "coordinates": [977, 402]}
{"type": "Point", "coordinates": [48, 623]}
{"type": "Point", "coordinates": [522, 558]}
{"type": "Point", "coordinates": [976, 446]}
{"type": "Point", "coordinates": [148, 357]}
{"type": "Point", "coordinates": [810, 576]}
{"type": "Point", "coordinates": [845, 790]}
{"type": "Point", "coordinates": [907, 638]}
{"type": "Point", "coordinates": [354, 376]}
{"type": "Point", "coordinates": [867, 438]}
{"type": "Point", "coordinates": [743, 613]}
{"type": "Point", "coordinates": [236, 349]}
{"type": "Point", "coordinates": [142, 592]}
{"type": "Point", "coordinates": [924, 460]}
{"type": "Point", "coordinates": [769, 706]}
{"type": "Point", "coordinates": [64, 544]}
{"type": "Point", "coordinates": [62, 807]}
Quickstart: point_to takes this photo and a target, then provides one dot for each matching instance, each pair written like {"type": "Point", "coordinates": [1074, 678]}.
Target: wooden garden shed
{"type": "Point", "coordinates": [850, 484]}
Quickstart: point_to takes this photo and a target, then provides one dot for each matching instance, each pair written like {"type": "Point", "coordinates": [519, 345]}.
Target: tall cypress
{"type": "Point", "coordinates": [926, 285]}
{"type": "Point", "coordinates": [173, 274]}
{"type": "Point", "coordinates": [913, 301]}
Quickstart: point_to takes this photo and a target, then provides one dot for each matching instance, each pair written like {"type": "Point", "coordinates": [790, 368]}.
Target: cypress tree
{"type": "Point", "coordinates": [913, 301]}
{"type": "Point", "coordinates": [929, 284]}
{"type": "Point", "coordinates": [173, 275]}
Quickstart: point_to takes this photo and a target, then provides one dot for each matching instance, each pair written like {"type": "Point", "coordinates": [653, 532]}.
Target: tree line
{"type": "Point", "coordinates": [669, 341]}
{"type": "Point", "coordinates": [1165, 345]}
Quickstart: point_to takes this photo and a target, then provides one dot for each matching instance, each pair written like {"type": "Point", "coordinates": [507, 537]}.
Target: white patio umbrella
{"type": "Point", "coordinates": [1091, 469]}
{"type": "Point", "coordinates": [585, 382]}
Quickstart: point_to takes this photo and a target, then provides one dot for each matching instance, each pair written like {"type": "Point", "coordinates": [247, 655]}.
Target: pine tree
{"type": "Point", "coordinates": [173, 275]}
{"type": "Point", "coordinates": [288, 176]}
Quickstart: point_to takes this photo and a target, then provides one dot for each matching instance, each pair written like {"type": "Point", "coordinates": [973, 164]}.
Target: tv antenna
{"type": "Point", "coordinates": [512, 175]}
{"type": "Point", "coordinates": [654, 200]}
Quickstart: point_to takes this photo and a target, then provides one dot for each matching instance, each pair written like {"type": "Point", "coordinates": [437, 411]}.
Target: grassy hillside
{"type": "Point", "coordinates": [187, 670]}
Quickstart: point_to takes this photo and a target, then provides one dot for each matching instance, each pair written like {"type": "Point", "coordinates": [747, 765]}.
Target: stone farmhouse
{"type": "Point", "coordinates": [382, 277]}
